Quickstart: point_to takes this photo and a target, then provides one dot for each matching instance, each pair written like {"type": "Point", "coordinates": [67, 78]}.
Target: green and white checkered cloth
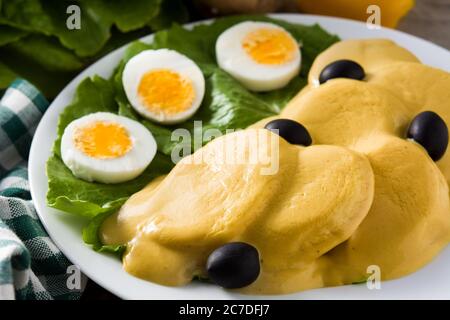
{"type": "Point", "coordinates": [31, 266]}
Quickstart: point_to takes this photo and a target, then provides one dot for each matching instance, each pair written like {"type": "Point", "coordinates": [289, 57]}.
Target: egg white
{"type": "Point", "coordinates": [233, 58]}
{"type": "Point", "coordinates": [172, 60]}
{"type": "Point", "coordinates": [112, 170]}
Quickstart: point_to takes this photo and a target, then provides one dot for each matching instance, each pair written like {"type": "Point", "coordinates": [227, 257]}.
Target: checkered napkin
{"type": "Point", "coordinates": [31, 266]}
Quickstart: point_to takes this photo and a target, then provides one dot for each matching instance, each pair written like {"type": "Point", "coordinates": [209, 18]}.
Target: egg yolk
{"type": "Point", "coordinates": [269, 46]}
{"type": "Point", "coordinates": [103, 140]}
{"type": "Point", "coordinates": [166, 91]}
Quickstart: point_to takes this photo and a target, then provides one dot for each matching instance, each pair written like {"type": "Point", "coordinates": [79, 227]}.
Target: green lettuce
{"type": "Point", "coordinates": [49, 18]}
{"type": "Point", "coordinates": [171, 11]}
{"type": "Point", "coordinates": [90, 235]}
{"type": "Point", "coordinates": [226, 105]}
{"type": "Point", "coordinates": [80, 197]}
{"type": "Point", "coordinates": [127, 15]}
{"type": "Point", "coordinates": [9, 34]}
{"type": "Point", "coordinates": [43, 61]}
{"type": "Point", "coordinates": [91, 200]}
{"type": "Point", "coordinates": [97, 18]}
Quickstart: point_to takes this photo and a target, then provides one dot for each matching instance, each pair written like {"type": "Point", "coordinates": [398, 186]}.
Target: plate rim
{"type": "Point", "coordinates": [40, 204]}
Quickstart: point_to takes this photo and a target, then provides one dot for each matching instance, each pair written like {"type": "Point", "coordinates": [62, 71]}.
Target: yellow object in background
{"type": "Point", "coordinates": [391, 10]}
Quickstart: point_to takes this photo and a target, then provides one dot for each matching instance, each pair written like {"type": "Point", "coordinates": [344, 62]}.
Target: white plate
{"type": "Point", "coordinates": [432, 282]}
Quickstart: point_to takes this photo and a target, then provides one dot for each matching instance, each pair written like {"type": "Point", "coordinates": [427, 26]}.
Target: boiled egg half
{"type": "Point", "coordinates": [262, 56]}
{"type": "Point", "coordinates": [163, 85]}
{"type": "Point", "coordinates": [107, 148]}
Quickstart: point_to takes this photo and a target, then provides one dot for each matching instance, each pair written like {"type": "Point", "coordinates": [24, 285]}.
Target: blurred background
{"type": "Point", "coordinates": [36, 44]}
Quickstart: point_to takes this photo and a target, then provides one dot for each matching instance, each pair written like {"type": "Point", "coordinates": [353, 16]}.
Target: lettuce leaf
{"type": "Point", "coordinates": [226, 105]}
{"type": "Point", "coordinates": [6, 76]}
{"type": "Point", "coordinates": [171, 11]}
{"type": "Point", "coordinates": [119, 39]}
{"type": "Point", "coordinates": [90, 235]}
{"type": "Point", "coordinates": [105, 25]}
{"type": "Point", "coordinates": [9, 34]}
{"type": "Point", "coordinates": [97, 17]}
{"type": "Point", "coordinates": [92, 95]}
{"type": "Point", "coordinates": [83, 198]}
{"type": "Point", "coordinates": [46, 52]}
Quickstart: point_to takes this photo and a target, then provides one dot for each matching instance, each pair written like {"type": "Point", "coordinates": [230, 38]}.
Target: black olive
{"type": "Point", "coordinates": [291, 131]}
{"type": "Point", "coordinates": [233, 265]}
{"type": "Point", "coordinates": [429, 130]}
{"type": "Point", "coordinates": [342, 69]}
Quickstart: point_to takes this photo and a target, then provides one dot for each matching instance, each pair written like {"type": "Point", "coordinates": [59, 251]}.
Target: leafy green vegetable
{"type": "Point", "coordinates": [48, 82]}
{"type": "Point", "coordinates": [27, 15]}
{"type": "Point", "coordinates": [9, 34]}
{"type": "Point", "coordinates": [127, 15]}
{"type": "Point", "coordinates": [276, 100]}
{"type": "Point", "coordinates": [92, 95]}
{"type": "Point", "coordinates": [105, 25]}
{"type": "Point", "coordinates": [6, 76]}
{"type": "Point", "coordinates": [170, 11]}
{"type": "Point", "coordinates": [201, 278]}
{"type": "Point", "coordinates": [90, 235]}
{"type": "Point", "coordinates": [50, 17]}
{"type": "Point", "coordinates": [197, 44]}
{"type": "Point", "coordinates": [226, 105]}
{"type": "Point", "coordinates": [97, 16]}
